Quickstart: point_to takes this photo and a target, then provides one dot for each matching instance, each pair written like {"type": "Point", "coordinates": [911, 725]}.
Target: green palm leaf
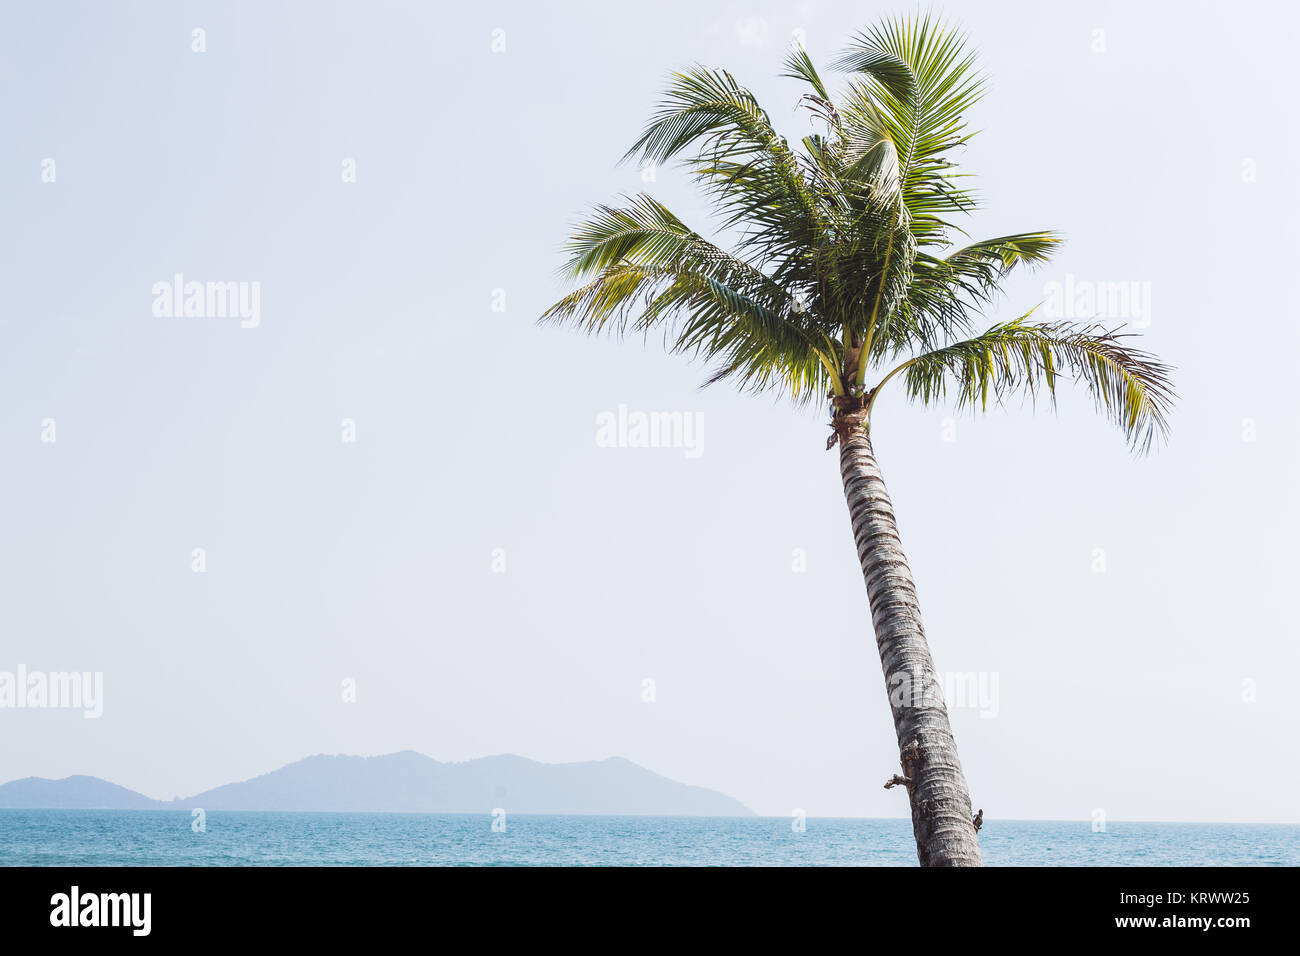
{"type": "Point", "coordinates": [1133, 387]}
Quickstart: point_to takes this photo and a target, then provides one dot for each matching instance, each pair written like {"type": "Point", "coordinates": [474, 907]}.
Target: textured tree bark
{"type": "Point", "coordinates": [932, 774]}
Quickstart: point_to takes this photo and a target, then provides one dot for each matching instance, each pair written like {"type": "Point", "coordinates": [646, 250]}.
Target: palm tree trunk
{"type": "Point", "coordinates": [936, 786]}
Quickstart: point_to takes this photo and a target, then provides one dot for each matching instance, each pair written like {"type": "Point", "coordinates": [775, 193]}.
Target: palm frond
{"type": "Point", "coordinates": [722, 129]}
{"type": "Point", "coordinates": [799, 66]}
{"type": "Point", "coordinates": [653, 272]}
{"type": "Point", "coordinates": [914, 84]}
{"type": "Point", "coordinates": [647, 232]}
{"type": "Point", "coordinates": [1131, 386]}
{"type": "Point", "coordinates": [946, 293]}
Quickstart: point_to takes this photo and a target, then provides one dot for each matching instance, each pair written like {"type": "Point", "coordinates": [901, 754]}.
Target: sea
{"type": "Point", "coordinates": [246, 838]}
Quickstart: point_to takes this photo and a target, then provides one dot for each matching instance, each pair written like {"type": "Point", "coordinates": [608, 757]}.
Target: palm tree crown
{"type": "Point", "coordinates": [845, 259]}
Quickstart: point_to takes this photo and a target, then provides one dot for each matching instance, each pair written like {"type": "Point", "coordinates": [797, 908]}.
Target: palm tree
{"type": "Point", "coordinates": [844, 266]}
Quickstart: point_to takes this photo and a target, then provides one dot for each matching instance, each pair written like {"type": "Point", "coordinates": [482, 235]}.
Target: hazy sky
{"type": "Point", "coordinates": [1124, 606]}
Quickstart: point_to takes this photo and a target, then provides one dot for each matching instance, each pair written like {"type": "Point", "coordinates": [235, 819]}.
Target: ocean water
{"type": "Point", "coordinates": [165, 838]}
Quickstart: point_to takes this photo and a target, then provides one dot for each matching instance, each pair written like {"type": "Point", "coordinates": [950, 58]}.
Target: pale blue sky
{"type": "Point", "coordinates": [476, 429]}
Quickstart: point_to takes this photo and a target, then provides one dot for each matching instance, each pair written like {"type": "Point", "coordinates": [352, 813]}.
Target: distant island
{"type": "Point", "coordinates": [407, 782]}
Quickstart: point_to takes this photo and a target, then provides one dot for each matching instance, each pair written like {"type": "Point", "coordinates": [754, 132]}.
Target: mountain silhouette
{"type": "Point", "coordinates": [408, 782]}
{"type": "Point", "coordinates": [77, 792]}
